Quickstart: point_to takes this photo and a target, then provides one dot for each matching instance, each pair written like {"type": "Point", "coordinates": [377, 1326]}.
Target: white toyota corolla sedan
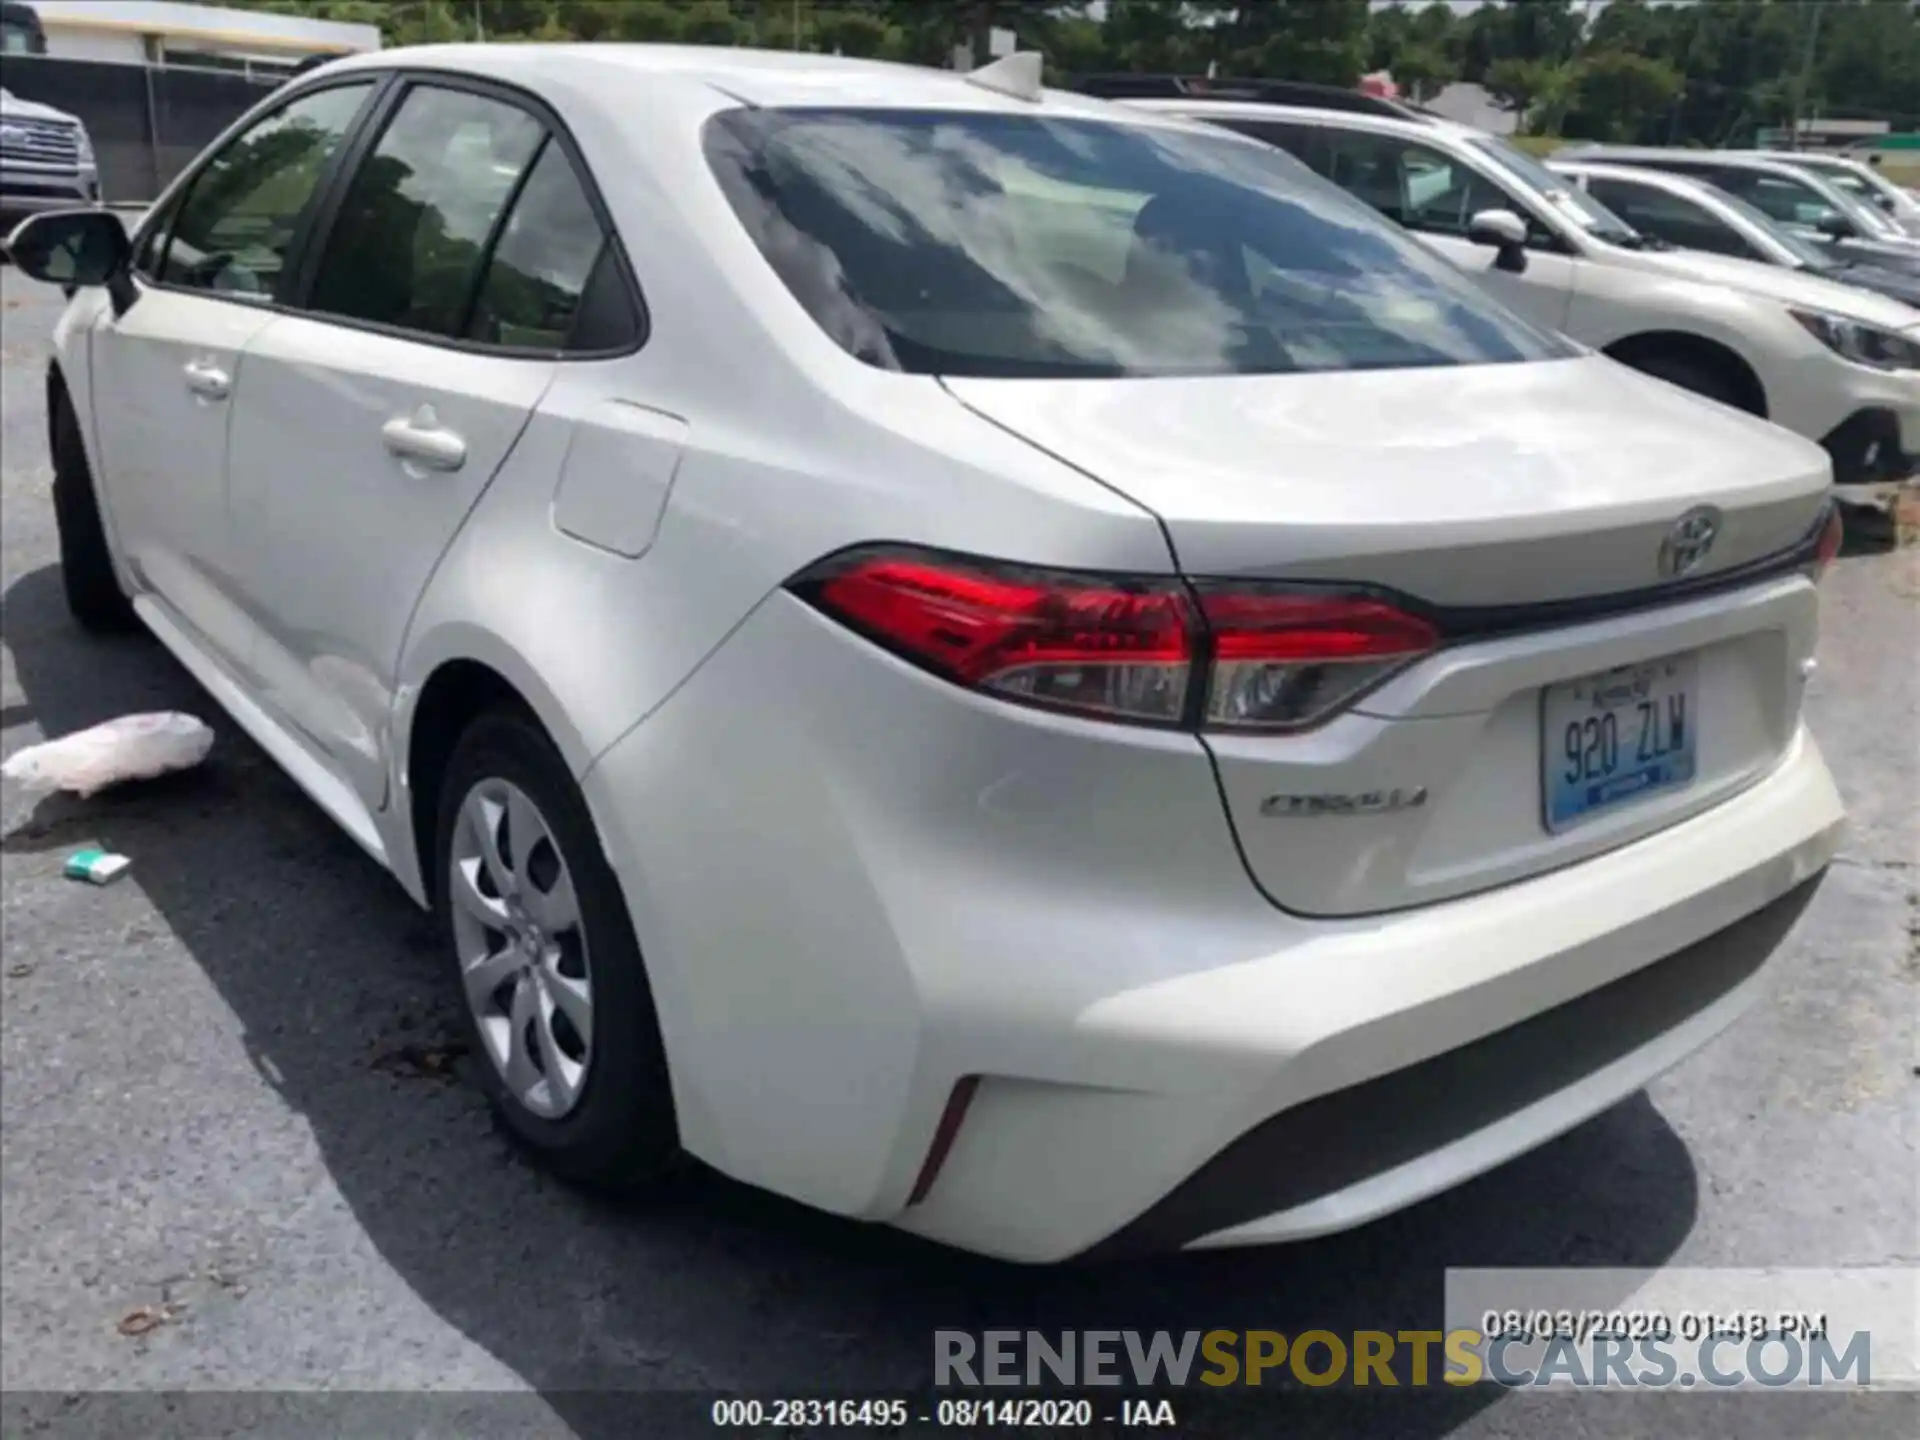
{"type": "Point", "coordinates": [980, 659]}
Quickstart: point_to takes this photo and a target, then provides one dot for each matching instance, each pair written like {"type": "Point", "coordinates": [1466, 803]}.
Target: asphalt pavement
{"type": "Point", "coordinates": [230, 1123]}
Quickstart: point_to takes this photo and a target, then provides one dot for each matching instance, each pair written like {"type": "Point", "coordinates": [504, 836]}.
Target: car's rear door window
{"type": "Point", "coordinates": [991, 244]}
{"type": "Point", "coordinates": [540, 266]}
{"type": "Point", "coordinates": [238, 219]}
{"type": "Point", "coordinates": [406, 247]}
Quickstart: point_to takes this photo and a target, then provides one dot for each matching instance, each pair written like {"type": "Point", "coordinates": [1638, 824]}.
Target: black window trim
{"type": "Point", "coordinates": [317, 218]}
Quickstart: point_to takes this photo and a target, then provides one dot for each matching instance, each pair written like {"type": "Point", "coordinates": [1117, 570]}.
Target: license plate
{"type": "Point", "coordinates": [1622, 736]}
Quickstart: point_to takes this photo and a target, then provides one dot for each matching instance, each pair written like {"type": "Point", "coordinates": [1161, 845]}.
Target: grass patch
{"type": "Point", "coordinates": [1902, 171]}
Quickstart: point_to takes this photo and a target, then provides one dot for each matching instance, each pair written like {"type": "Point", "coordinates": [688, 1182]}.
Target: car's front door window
{"type": "Point", "coordinates": [1678, 221]}
{"type": "Point", "coordinates": [233, 230]}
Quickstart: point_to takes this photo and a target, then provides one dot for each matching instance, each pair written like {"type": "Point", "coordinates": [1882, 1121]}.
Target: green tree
{"type": "Point", "coordinates": [1150, 36]}
{"type": "Point", "coordinates": [1316, 40]}
{"type": "Point", "coordinates": [1423, 71]}
{"type": "Point", "coordinates": [1539, 94]}
{"type": "Point", "coordinates": [1415, 45]}
{"type": "Point", "coordinates": [1546, 31]}
{"type": "Point", "coordinates": [1623, 95]}
{"type": "Point", "coordinates": [1389, 34]}
{"type": "Point", "coordinates": [1868, 61]}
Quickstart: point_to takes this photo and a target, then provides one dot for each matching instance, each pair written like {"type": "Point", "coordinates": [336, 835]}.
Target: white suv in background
{"type": "Point", "coordinates": [1832, 362]}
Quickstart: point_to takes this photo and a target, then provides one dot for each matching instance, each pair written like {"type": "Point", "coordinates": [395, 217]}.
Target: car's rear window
{"type": "Point", "coordinates": [965, 243]}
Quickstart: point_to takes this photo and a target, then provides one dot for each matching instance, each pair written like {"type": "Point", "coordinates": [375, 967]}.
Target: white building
{"type": "Point", "coordinates": [157, 32]}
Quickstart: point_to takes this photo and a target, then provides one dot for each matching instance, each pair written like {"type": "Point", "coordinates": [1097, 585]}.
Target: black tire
{"type": "Point", "coordinates": [94, 596]}
{"type": "Point", "coordinates": [1872, 527]}
{"type": "Point", "coordinates": [620, 1137]}
{"type": "Point", "coordinates": [1702, 377]}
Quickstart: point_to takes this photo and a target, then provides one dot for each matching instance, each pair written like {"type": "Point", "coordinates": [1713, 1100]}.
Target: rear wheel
{"type": "Point", "coordinates": [1700, 376]}
{"type": "Point", "coordinates": [559, 1014]}
{"type": "Point", "coordinates": [94, 596]}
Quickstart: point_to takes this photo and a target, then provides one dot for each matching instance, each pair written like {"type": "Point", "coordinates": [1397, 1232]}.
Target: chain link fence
{"type": "Point", "coordinates": [147, 122]}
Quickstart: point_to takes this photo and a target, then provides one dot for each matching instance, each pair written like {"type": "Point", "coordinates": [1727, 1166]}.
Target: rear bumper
{"type": "Point", "coordinates": [1295, 1059]}
{"type": "Point", "coordinates": [1357, 1153]}
{"type": "Point", "coordinates": [903, 889]}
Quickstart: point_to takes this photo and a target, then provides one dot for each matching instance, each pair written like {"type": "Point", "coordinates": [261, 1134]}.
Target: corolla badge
{"type": "Point", "coordinates": [1688, 542]}
{"type": "Point", "coordinates": [1365, 802]}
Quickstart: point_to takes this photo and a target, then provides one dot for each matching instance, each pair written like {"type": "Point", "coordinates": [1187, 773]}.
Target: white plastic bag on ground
{"type": "Point", "coordinates": [133, 747]}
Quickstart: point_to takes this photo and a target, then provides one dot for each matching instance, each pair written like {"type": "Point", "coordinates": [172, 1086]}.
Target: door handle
{"type": "Point", "coordinates": [207, 380]}
{"type": "Point", "coordinates": [422, 441]}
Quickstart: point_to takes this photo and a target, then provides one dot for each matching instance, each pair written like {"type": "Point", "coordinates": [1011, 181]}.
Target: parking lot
{"type": "Point", "coordinates": [232, 1122]}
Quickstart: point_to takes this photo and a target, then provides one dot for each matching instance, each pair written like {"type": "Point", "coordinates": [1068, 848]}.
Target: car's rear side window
{"type": "Point", "coordinates": [406, 247]}
{"type": "Point", "coordinates": [970, 243]}
{"type": "Point", "coordinates": [539, 268]}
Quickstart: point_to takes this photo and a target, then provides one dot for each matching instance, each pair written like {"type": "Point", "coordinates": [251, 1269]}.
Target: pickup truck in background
{"type": "Point", "coordinates": [46, 161]}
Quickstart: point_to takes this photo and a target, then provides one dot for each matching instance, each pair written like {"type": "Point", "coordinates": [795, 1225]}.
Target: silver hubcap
{"type": "Point", "coordinates": [523, 953]}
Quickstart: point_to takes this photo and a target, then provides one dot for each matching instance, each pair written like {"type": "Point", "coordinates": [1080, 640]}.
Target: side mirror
{"type": "Point", "coordinates": [1504, 231]}
{"type": "Point", "coordinates": [1836, 226]}
{"type": "Point", "coordinates": [74, 248]}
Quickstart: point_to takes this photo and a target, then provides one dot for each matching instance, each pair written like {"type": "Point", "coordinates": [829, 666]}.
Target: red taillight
{"type": "Point", "coordinates": [1102, 646]}
{"type": "Point", "coordinates": [1832, 535]}
{"type": "Point", "coordinates": [1286, 658]}
{"type": "Point", "coordinates": [1263, 657]}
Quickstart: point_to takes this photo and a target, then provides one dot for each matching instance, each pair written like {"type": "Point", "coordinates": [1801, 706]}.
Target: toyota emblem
{"type": "Point", "coordinates": [1688, 542]}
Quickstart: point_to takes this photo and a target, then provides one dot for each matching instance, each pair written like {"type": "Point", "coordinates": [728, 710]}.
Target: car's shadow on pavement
{"type": "Point", "coordinates": [337, 981]}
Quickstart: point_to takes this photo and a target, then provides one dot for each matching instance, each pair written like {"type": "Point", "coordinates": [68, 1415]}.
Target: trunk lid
{"type": "Point", "coordinates": [1494, 486]}
{"type": "Point", "coordinates": [1468, 485]}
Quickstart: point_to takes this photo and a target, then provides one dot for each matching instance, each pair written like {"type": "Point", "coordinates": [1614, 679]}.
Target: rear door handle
{"type": "Point", "coordinates": [207, 380]}
{"type": "Point", "coordinates": [423, 441]}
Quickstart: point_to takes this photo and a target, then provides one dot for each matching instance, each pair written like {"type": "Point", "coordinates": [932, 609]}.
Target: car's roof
{"type": "Point", "coordinates": [1747, 159]}
{"type": "Point", "coordinates": [1802, 157]}
{"type": "Point", "coordinates": [754, 77]}
{"type": "Point", "coordinates": [1310, 115]}
{"type": "Point", "coordinates": [1679, 184]}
